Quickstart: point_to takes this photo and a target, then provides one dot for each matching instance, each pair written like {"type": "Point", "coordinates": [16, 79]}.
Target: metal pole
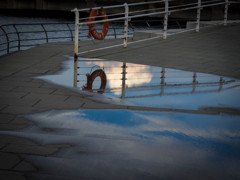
{"type": "Point", "coordinates": [76, 47]}
{"type": "Point", "coordinates": [194, 82]}
{"type": "Point", "coordinates": [198, 16]}
{"type": "Point", "coordinates": [162, 81]}
{"type": "Point", "coordinates": [19, 41]}
{"type": "Point", "coordinates": [125, 25]}
{"type": "Point", "coordinates": [6, 35]}
{"type": "Point", "coordinates": [70, 31]}
{"type": "Point", "coordinates": [226, 12]}
{"type": "Point", "coordinates": [220, 84]}
{"type": "Point", "coordinates": [165, 24]}
{"type": "Point", "coordinates": [123, 79]}
{"type": "Point", "coordinates": [45, 33]}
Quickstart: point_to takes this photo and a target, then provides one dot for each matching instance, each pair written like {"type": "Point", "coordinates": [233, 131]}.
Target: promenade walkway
{"type": "Point", "coordinates": [213, 50]}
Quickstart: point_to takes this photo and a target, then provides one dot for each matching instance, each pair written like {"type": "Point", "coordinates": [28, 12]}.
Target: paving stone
{"type": "Point", "coordinates": [2, 145]}
{"type": "Point", "coordinates": [11, 126]}
{"type": "Point", "coordinates": [6, 118]}
{"type": "Point", "coordinates": [6, 139]}
{"type": "Point", "coordinates": [34, 90]}
{"type": "Point", "coordinates": [21, 120]}
{"type": "Point", "coordinates": [18, 110]}
{"type": "Point", "coordinates": [6, 88]}
{"type": "Point", "coordinates": [25, 166]}
{"type": "Point", "coordinates": [33, 149]}
{"type": "Point", "coordinates": [6, 175]}
{"type": "Point", "coordinates": [15, 95]}
{"type": "Point", "coordinates": [23, 101]}
{"type": "Point", "coordinates": [8, 161]}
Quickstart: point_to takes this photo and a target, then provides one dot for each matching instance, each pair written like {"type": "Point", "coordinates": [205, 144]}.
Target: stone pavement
{"type": "Point", "coordinates": [214, 50]}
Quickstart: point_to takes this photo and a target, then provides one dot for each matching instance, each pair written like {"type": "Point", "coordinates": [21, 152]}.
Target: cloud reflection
{"type": "Point", "coordinates": [147, 142]}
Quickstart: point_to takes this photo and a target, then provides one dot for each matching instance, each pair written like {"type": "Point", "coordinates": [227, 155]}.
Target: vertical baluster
{"type": "Point", "coordinates": [124, 66]}
{"type": "Point", "coordinates": [19, 43]}
{"type": "Point", "coordinates": [198, 16]}
{"type": "Point", "coordinates": [125, 25]}
{"type": "Point", "coordinates": [165, 24]}
{"type": "Point", "coordinates": [76, 47]}
{"type": "Point", "coordinates": [226, 12]}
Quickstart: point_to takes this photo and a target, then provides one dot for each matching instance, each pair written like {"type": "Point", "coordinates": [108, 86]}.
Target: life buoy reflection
{"type": "Point", "coordinates": [91, 77]}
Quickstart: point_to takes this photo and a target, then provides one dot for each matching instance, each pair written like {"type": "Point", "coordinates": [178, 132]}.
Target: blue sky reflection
{"type": "Point", "coordinates": [145, 141]}
{"type": "Point", "coordinates": [146, 87]}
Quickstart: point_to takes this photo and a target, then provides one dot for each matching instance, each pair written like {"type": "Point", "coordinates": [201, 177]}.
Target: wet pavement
{"type": "Point", "coordinates": [123, 144]}
{"type": "Point", "coordinates": [53, 131]}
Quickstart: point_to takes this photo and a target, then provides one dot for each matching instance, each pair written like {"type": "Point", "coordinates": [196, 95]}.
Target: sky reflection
{"type": "Point", "coordinates": [152, 86]}
{"type": "Point", "coordinates": [139, 144]}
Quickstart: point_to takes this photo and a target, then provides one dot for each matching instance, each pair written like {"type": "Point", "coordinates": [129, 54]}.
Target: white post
{"type": "Point", "coordinates": [125, 25]}
{"type": "Point", "coordinates": [226, 12]}
{"type": "Point", "coordinates": [165, 24]}
{"type": "Point", "coordinates": [198, 16]}
{"type": "Point", "coordinates": [76, 48]}
{"type": "Point", "coordinates": [76, 32]}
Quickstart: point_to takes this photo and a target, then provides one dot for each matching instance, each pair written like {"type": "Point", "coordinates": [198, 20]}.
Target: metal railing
{"type": "Point", "coordinates": [15, 37]}
{"type": "Point", "coordinates": [165, 10]}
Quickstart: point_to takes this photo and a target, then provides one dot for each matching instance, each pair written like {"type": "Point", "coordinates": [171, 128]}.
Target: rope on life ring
{"type": "Point", "coordinates": [92, 30]}
{"type": "Point", "coordinates": [91, 78]}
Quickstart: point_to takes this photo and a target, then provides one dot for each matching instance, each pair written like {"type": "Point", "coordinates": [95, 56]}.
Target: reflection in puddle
{"type": "Point", "coordinates": [150, 86]}
{"type": "Point", "coordinates": [118, 144]}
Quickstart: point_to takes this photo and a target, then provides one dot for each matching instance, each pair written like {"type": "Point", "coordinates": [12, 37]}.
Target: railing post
{"type": "Point", "coordinates": [45, 32]}
{"type": "Point", "coordinates": [70, 31]}
{"type": "Point", "coordinates": [19, 45]}
{"type": "Point", "coordinates": [198, 16]}
{"type": "Point", "coordinates": [165, 24]}
{"type": "Point", "coordinates": [226, 12]}
{"type": "Point", "coordinates": [220, 84]}
{"type": "Point", "coordinates": [162, 81]}
{"type": "Point", "coordinates": [125, 25]}
{"type": "Point", "coordinates": [76, 32]}
{"type": "Point", "coordinates": [124, 66]}
{"type": "Point", "coordinates": [6, 35]}
{"type": "Point", "coordinates": [194, 82]}
{"type": "Point", "coordinates": [76, 47]}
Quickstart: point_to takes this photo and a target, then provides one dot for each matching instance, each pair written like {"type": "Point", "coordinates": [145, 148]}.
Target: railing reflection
{"type": "Point", "coordinates": [127, 80]}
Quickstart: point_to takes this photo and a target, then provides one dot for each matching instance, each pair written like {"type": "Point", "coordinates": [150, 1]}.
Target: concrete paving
{"type": "Point", "coordinates": [213, 50]}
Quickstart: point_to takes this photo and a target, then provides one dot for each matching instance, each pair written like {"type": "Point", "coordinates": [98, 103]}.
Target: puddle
{"type": "Point", "coordinates": [149, 86]}
{"type": "Point", "coordinates": [125, 144]}
{"type": "Point", "coordinates": [118, 144]}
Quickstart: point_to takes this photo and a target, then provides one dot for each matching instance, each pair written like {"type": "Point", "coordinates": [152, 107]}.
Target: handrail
{"type": "Point", "coordinates": [165, 11]}
{"type": "Point", "coordinates": [128, 15]}
{"type": "Point", "coordinates": [20, 36]}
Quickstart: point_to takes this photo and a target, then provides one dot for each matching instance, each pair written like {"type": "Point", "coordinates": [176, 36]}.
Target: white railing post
{"type": "Point", "coordinates": [226, 12]}
{"type": "Point", "coordinates": [76, 32]}
{"type": "Point", "coordinates": [198, 16]}
{"type": "Point", "coordinates": [76, 47]}
{"type": "Point", "coordinates": [165, 24]}
{"type": "Point", "coordinates": [125, 25]}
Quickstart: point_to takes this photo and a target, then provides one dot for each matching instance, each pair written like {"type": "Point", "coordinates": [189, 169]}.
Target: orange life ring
{"type": "Point", "coordinates": [91, 78]}
{"type": "Point", "coordinates": [92, 30]}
